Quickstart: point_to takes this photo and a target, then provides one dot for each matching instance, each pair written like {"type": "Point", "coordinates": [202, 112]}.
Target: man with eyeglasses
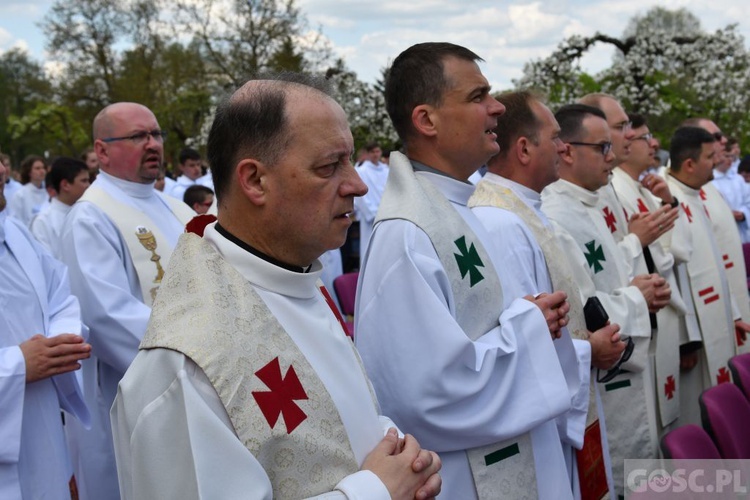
{"type": "Point", "coordinates": [728, 238]}
{"type": "Point", "coordinates": [675, 323]}
{"type": "Point", "coordinates": [117, 241]}
{"type": "Point", "coordinates": [574, 203]}
{"type": "Point", "coordinates": [507, 201]}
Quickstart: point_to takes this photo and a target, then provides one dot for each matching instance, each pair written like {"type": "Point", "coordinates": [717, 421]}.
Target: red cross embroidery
{"type": "Point", "coordinates": [723, 376]}
{"type": "Point", "coordinates": [609, 218]}
{"type": "Point", "coordinates": [280, 399]}
{"type": "Point", "coordinates": [642, 208]}
{"type": "Point", "coordinates": [687, 212]}
{"type": "Point", "coordinates": [705, 208]}
{"type": "Point", "coordinates": [706, 295]}
{"type": "Point", "coordinates": [669, 387]}
{"type": "Point", "coordinates": [702, 194]}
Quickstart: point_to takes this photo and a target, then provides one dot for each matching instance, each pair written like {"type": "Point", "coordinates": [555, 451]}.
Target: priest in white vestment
{"type": "Point", "coordinates": [736, 193]}
{"type": "Point", "coordinates": [729, 241]}
{"type": "Point", "coordinates": [70, 179]}
{"type": "Point", "coordinates": [692, 154]}
{"type": "Point", "coordinates": [41, 343]}
{"type": "Point", "coordinates": [471, 370]}
{"type": "Point", "coordinates": [28, 201]}
{"type": "Point", "coordinates": [574, 203]}
{"type": "Point", "coordinates": [374, 174]}
{"type": "Point", "coordinates": [508, 203]}
{"type": "Point", "coordinates": [116, 241]}
{"type": "Point", "coordinates": [674, 324]}
{"type": "Point", "coordinates": [246, 368]}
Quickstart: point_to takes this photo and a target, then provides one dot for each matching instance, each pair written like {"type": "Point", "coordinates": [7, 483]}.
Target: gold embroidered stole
{"type": "Point", "coordinates": [259, 373]}
{"type": "Point", "coordinates": [149, 248]}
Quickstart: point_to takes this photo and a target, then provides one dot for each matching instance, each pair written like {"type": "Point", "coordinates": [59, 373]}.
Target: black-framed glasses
{"type": "Point", "coordinates": [140, 137]}
{"type": "Point", "coordinates": [617, 370]}
{"type": "Point", "coordinates": [604, 147]}
{"type": "Point", "coordinates": [645, 137]}
{"type": "Point", "coordinates": [624, 126]}
{"type": "Point", "coordinates": [718, 136]}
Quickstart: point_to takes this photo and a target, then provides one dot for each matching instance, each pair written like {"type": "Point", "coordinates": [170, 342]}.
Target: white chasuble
{"type": "Point", "coordinates": [670, 319]}
{"type": "Point", "coordinates": [149, 248]}
{"type": "Point", "coordinates": [261, 383]}
{"type": "Point", "coordinates": [708, 285]}
{"type": "Point", "coordinates": [628, 399]}
{"type": "Point", "coordinates": [728, 241]}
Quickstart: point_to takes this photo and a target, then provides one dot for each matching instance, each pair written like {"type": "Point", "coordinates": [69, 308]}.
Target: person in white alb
{"type": "Point", "coordinates": [245, 368]}
{"type": "Point", "coordinates": [70, 179]}
{"type": "Point", "coordinates": [692, 156]}
{"type": "Point", "coordinates": [116, 242]}
{"type": "Point", "coordinates": [374, 174]}
{"type": "Point", "coordinates": [471, 370]}
{"type": "Point", "coordinates": [27, 202]}
{"type": "Point", "coordinates": [190, 170]}
{"type": "Point", "coordinates": [508, 203]}
{"type": "Point", "coordinates": [41, 344]}
{"type": "Point", "coordinates": [574, 203]}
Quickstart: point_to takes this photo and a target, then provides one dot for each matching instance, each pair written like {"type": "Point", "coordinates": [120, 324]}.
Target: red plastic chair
{"type": "Point", "coordinates": [740, 368]}
{"type": "Point", "coordinates": [688, 442]}
{"type": "Point", "coordinates": [345, 287]}
{"type": "Point", "coordinates": [725, 413]}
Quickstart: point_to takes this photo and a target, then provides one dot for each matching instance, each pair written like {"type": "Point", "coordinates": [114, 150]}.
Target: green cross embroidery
{"type": "Point", "coordinates": [594, 256]}
{"type": "Point", "coordinates": [468, 261]}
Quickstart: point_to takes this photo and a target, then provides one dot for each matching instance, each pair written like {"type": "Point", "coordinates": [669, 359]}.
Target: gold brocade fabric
{"type": "Point", "coordinates": [209, 312]}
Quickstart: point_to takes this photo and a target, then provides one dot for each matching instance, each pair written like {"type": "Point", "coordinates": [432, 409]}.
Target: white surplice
{"type": "Point", "coordinates": [180, 186]}
{"type": "Point", "coordinates": [366, 207]}
{"type": "Point", "coordinates": [173, 436]}
{"type": "Point", "coordinates": [453, 393]}
{"type": "Point", "coordinates": [105, 281]}
{"type": "Point", "coordinates": [27, 203]}
{"type": "Point", "coordinates": [47, 226]}
{"type": "Point", "coordinates": [34, 299]}
{"type": "Point", "coordinates": [528, 274]}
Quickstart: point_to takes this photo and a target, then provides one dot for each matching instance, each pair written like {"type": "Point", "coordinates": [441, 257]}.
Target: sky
{"type": "Point", "coordinates": [369, 34]}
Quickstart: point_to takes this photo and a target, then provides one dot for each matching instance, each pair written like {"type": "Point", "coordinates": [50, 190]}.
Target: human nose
{"type": "Point", "coordinates": [496, 108]}
{"type": "Point", "coordinates": [353, 184]}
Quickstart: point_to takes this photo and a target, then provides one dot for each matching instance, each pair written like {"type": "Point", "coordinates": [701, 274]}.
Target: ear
{"type": "Point", "coordinates": [567, 155]}
{"type": "Point", "coordinates": [252, 180]}
{"type": "Point", "coordinates": [688, 166]}
{"type": "Point", "coordinates": [100, 148]}
{"type": "Point", "coordinates": [64, 185]}
{"type": "Point", "coordinates": [522, 150]}
{"type": "Point", "coordinates": [423, 119]}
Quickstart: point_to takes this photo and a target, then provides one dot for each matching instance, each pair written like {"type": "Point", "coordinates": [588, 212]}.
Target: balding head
{"type": "Point", "coordinates": [128, 142]}
{"type": "Point", "coordinates": [254, 121]}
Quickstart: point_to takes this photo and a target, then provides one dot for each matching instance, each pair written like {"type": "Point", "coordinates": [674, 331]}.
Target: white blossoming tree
{"type": "Point", "coordinates": [665, 67]}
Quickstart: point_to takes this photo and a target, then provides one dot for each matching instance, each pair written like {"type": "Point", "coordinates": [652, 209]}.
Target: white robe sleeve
{"type": "Point", "coordinates": [12, 390]}
{"type": "Point", "coordinates": [202, 457]}
{"type": "Point", "coordinates": [450, 392]}
{"type": "Point", "coordinates": [104, 280]}
{"type": "Point", "coordinates": [42, 231]}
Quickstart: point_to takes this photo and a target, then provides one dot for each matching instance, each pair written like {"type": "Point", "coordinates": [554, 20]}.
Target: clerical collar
{"type": "Point", "coordinates": [134, 189]}
{"type": "Point", "coordinates": [258, 253]}
{"type": "Point", "coordinates": [421, 167]}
